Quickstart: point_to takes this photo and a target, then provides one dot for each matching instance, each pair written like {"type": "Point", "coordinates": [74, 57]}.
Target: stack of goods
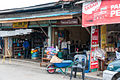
{"type": "Point", "coordinates": [51, 52]}
{"type": "Point", "coordinates": [35, 54]}
{"type": "Point", "coordinates": [109, 49]}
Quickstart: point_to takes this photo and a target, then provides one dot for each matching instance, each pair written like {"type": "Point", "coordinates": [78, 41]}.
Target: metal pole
{"type": "Point", "coordinates": [42, 29]}
{"type": "Point", "coordinates": [49, 35]}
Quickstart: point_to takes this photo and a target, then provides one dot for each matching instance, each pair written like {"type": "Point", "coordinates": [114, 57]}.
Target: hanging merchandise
{"type": "Point", "coordinates": [61, 36]}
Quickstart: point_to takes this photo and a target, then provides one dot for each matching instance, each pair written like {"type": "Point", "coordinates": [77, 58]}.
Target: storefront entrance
{"type": "Point", "coordinates": [21, 45]}
{"type": "Point", "coordinates": [110, 40]}
{"type": "Point", "coordinates": [71, 40]}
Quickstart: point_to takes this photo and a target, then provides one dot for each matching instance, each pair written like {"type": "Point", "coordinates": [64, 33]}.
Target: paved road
{"type": "Point", "coordinates": [24, 71]}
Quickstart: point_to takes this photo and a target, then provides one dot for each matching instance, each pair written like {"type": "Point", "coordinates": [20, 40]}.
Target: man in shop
{"type": "Point", "coordinates": [77, 46]}
{"type": "Point", "coordinates": [64, 47]}
{"type": "Point", "coordinates": [45, 43]}
{"type": "Point", "coordinates": [117, 51]}
{"type": "Point", "coordinates": [72, 46]}
{"type": "Point", "coordinates": [26, 46]}
{"type": "Point", "coordinates": [118, 42]}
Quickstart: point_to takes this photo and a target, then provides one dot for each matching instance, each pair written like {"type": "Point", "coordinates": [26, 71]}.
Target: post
{"type": "Point", "coordinates": [49, 35]}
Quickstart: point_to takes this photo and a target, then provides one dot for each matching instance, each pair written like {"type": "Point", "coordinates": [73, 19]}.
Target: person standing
{"type": "Point", "coordinates": [26, 46]}
{"type": "Point", "coordinates": [117, 51]}
{"type": "Point", "coordinates": [45, 43]}
{"type": "Point", "coordinates": [72, 46]}
{"type": "Point", "coordinates": [64, 47]}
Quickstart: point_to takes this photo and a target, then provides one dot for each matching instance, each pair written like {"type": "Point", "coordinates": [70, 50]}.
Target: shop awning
{"type": "Point", "coordinates": [15, 32]}
{"type": "Point", "coordinates": [51, 16]}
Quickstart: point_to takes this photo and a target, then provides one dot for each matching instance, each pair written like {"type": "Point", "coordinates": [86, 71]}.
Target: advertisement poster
{"type": "Point", "coordinates": [103, 36]}
{"type": "Point", "coordinates": [94, 45]}
{"type": "Point", "coordinates": [100, 12]}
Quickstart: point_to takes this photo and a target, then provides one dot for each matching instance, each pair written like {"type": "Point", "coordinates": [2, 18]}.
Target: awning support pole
{"type": "Point", "coordinates": [50, 34]}
{"type": "Point", "coordinates": [88, 30]}
{"type": "Point", "coordinates": [42, 29]}
{"type": "Point", "coordinates": [85, 27]}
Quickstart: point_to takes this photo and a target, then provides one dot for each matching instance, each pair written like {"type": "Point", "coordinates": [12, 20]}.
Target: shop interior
{"type": "Point", "coordinates": [71, 40]}
{"type": "Point", "coordinates": [112, 41]}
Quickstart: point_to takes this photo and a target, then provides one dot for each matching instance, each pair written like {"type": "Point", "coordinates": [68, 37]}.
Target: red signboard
{"type": "Point", "coordinates": [95, 37]}
{"type": "Point", "coordinates": [99, 12]}
{"type": "Point", "coordinates": [93, 63]}
{"type": "Point", "coordinates": [94, 45]}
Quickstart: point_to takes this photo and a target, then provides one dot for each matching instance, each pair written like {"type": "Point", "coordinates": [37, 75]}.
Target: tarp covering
{"type": "Point", "coordinates": [15, 32]}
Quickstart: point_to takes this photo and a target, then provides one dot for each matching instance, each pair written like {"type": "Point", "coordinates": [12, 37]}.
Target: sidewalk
{"type": "Point", "coordinates": [36, 64]}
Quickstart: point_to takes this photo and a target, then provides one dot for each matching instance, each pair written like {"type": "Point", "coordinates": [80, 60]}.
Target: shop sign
{"type": "Point", "coordinates": [99, 12]}
{"type": "Point", "coordinates": [20, 25]}
{"type": "Point", "coordinates": [94, 45]}
{"type": "Point", "coordinates": [6, 24]}
{"type": "Point", "coordinates": [69, 21]}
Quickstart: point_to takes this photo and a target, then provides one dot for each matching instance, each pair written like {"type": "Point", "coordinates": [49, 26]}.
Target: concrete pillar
{"type": "Point", "coordinates": [49, 35]}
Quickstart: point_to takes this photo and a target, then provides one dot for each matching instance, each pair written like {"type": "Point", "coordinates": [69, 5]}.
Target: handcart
{"type": "Point", "coordinates": [64, 64]}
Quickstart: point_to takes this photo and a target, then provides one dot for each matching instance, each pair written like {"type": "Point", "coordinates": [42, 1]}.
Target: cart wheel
{"type": "Point", "coordinates": [51, 69]}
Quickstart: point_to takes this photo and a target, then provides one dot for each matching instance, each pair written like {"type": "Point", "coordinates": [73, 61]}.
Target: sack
{"type": "Point", "coordinates": [100, 54]}
{"type": "Point", "coordinates": [55, 59]}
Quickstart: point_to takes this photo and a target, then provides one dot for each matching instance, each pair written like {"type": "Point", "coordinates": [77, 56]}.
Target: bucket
{"type": "Point", "coordinates": [60, 55]}
{"type": "Point", "coordinates": [35, 55]}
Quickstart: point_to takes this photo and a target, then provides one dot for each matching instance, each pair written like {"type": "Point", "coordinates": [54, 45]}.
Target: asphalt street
{"type": "Point", "coordinates": [25, 71]}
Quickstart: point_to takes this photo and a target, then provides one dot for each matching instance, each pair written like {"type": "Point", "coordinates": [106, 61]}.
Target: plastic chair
{"type": "Point", "coordinates": [78, 65]}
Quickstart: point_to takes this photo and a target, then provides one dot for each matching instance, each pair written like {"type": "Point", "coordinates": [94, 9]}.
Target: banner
{"type": "Point", "coordinates": [99, 12]}
{"type": "Point", "coordinates": [94, 45]}
{"type": "Point", "coordinates": [103, 36]}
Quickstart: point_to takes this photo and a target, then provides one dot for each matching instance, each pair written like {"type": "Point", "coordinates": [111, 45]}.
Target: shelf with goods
{"type": "Point", "coordinates": [18, 49]}
{"type": "Point", "coordinates": [37, 40]}
{"type": "Point", "coordinates": [110, 53]}
{"type": "Point", "coordinates": [45, 60]}
{"type": "Point", "coordinates": [37, 44]}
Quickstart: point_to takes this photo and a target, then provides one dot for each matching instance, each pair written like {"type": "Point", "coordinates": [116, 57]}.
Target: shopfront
{"type": "Point", "coordinates": [21, 38]}
{"type": "Point", "coordinates": [67, 29]}
{"type": "Point", "coordinates": [110, 35]}
{"type": "Point", "coordinates": [104, 16]}
{"type": "Point", "coordinates": [68, 34]}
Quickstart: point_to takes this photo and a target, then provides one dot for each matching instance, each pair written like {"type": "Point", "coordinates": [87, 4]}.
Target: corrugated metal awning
{"type": "Point", "coordinates": [53, 16]}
